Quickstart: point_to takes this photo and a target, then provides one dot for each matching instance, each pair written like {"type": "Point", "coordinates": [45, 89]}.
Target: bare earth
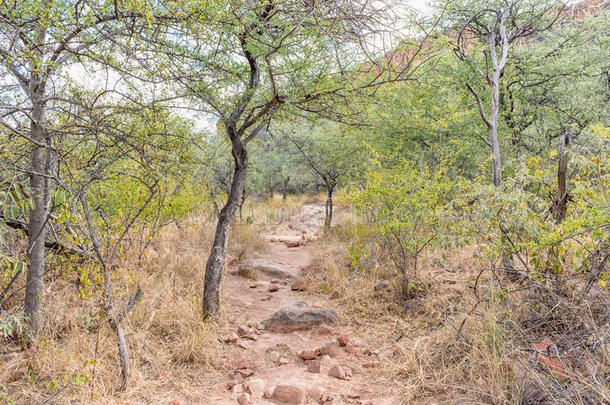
{"type": "Point", "coordinates": [248, 306]}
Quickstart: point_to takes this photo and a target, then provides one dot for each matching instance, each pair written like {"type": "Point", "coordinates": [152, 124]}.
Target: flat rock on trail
{"type": "Point", "coordinates": [288, 362]}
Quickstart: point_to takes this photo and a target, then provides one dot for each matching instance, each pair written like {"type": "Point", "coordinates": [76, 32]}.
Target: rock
{"type": "Point", "coordinates": [250, 336]}
{"type": "Point", "coordinates": [298, 316]}
{"type": "Point", "coordinates": [353, 395]}
{"type": "Point", "coordinates": [303, 232]}
{"type": "Point", "coordinates": [309, 354]}
{"type": "Point", "coordinates": [243, 330]}
{"type": "Point", "coordinates": [273, 288]}
{"type": "Point", "coordinates": [317, 305]}
{"type": "Point", "coordinates": [255, 387]}
{"type": "Point", "coordinates": [545, 355]}
{"type": "Point", "coordinates": [333, 398]}
{"type": "Point", "coordinates": [275, 281]}
{"type": "Point", "coordinates": [325, 330]}
{"type": "Point", "coordinates": [289, 393]}
{"type": "Point", "coordinates": [338, 372]}
{"type": "Point", "coordinates": [359, 321]}
{"type": "Point", "coordinates": [230, 338]}
{"type": "Point", "coordinates": [370, 352]}
{"type": "Point", "coordinates": [267, 267]}
{"type": "Point", "coordinates": [293, 243]}
{"type": "Point", "coordinates": [268, 393]}
{"type": "Point", "coordinates": [244, 345]}
{"type": "Point", "coordinates": [246, 372]}
{"type": "Point", "coordinates": [231, 383]}
{"type": "Point", "coordinates": [266, 298]}
{"type": "Point", "coordinates": [237, 389]}
{"type": "Point", "coordinates": [314, 366]}
{"type": "Point", "coordinates": [244, 399]}
{"type": "Point", "coordinates": [300, 284]}
{"type": "Point", "coordinates": [343, 340]}
{"type": "Point", "coordinates": [274, 357]}
{"type": "Point", "coordinates": [331, 348]}
{"type": "Point", "coordinates": [253, 285]}
{"type": "Point", "coordinates": [283, 360]}
{"type": "Point", "coordinates": [316, 393]}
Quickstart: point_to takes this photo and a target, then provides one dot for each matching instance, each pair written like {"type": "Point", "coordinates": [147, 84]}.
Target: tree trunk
{"type": "Point", "coordinates": [493, 129]}
{"type": "Point", "coordinates": [41, 165]}
{"type": "Point", "coordinates": [285, 188]}
{"type": "Point", "coordinates": [560, 205]}
{"type": "Point", "coordinates": [328, 208]}
{"type": "Point", "coordinates": [215, 264]}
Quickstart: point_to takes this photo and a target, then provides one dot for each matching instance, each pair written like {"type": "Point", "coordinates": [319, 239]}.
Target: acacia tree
{"type": "Point", "coordinates": [39, 41]}
{"type": "Point", "coordinates": [243, 62]}
{"type": "Point", "coordinates": [496, 26]}
{"type": "Point", "coordinates": [329, 153]}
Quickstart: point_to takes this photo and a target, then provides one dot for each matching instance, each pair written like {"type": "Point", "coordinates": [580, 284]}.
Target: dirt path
{"type": "Point", "coordinates": [271, 368]}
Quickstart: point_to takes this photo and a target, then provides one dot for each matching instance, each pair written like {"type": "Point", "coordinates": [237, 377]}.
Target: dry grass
{"type": "Point", "coordinates": [173, 354]}
{"type": "Point", "coordinates": [446, 346]}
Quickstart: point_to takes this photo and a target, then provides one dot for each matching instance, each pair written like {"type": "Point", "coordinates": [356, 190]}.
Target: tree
{"type": "Point", "coordinates": [330, 153]}
{"type": "Point", "coordinates": [244, 62]}
{"type": "Point", "coordinates": [39, 40]}
{"type": "Point", "coordinates": [497, 26]}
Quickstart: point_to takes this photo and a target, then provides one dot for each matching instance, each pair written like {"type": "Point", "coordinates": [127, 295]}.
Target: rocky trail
{"type": "Point", "coordinates": [294, 350]}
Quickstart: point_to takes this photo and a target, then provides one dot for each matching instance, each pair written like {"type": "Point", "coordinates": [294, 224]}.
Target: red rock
{"type": "Point", "coordinates": [250, 336]}
{"type": "Point", "coordinates": [300, 284]}
{"type": "Point", "coordinates": [353, 395]}
{"type": "Point", "coordinates": [255, 387]}
{"type": "Point", "coordinates": [325, 330]}
{"type": "Point", "coordinates": [293, 243]}
{"type": "Point", "coordinates": [246, 372]}
{"type": "Point", "coordinates": [289, 393]}
{"type": "Point", "coordinates": [274, 357]}
{"type": "Point", "coordinates": [338, 372]}
{"type": "Point", "coordinates": [303, 232]}
{"type": "Point", "coordinates": [309, 354]}
{"type": "Point", "coordinates": [358, 321]}
{"type": "Point", "coordinates": [343, 340]}
{"type": "Point", "coordinates": [317, 305]}
{"type": "Point", "coordinates": [266, 298]}
{"type": "Point", "coordinates": [275, 281]}
{"type": "Point", "coordinates": [370, 352]}
{"type": "Point", "coordinates": [244, 399]}
{"type": "Point", "coordinates": [243, 330]}
{"type": "Point", "coordinates": [350, 349]}
{"type": "Point", "coordinates": [273, 288]}
{"type": "Point", "coordinates": [314, 366]}
{"type": "Point", "coordinates": [230, 338]}
{"type": "Point", "coordinates": [253, 285]}
{"type": "Point", "coordinates": [546, 354]}
{"type": "Point", "coordinates": [174, 402]}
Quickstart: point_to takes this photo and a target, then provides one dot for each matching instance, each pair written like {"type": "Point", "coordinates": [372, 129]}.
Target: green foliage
{"type": "Point", "coordinates": [406, 210]}
{"type": "Point", "coordinates": [548, 251]}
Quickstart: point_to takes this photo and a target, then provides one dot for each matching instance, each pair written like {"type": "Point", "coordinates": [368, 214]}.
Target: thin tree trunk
{"type": "Point", "coordinates": [493, 129]}
{"type": "Point", "coordinates": [562, 174]}
{"type": "Point", "coordinates": [215, 264]}
{"type": "Point", "coordinates": [36, 229]}
{"type": "Point", "coordinates": [285, 188]}
{"type": "Point", "coordinates": [328, 209]}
